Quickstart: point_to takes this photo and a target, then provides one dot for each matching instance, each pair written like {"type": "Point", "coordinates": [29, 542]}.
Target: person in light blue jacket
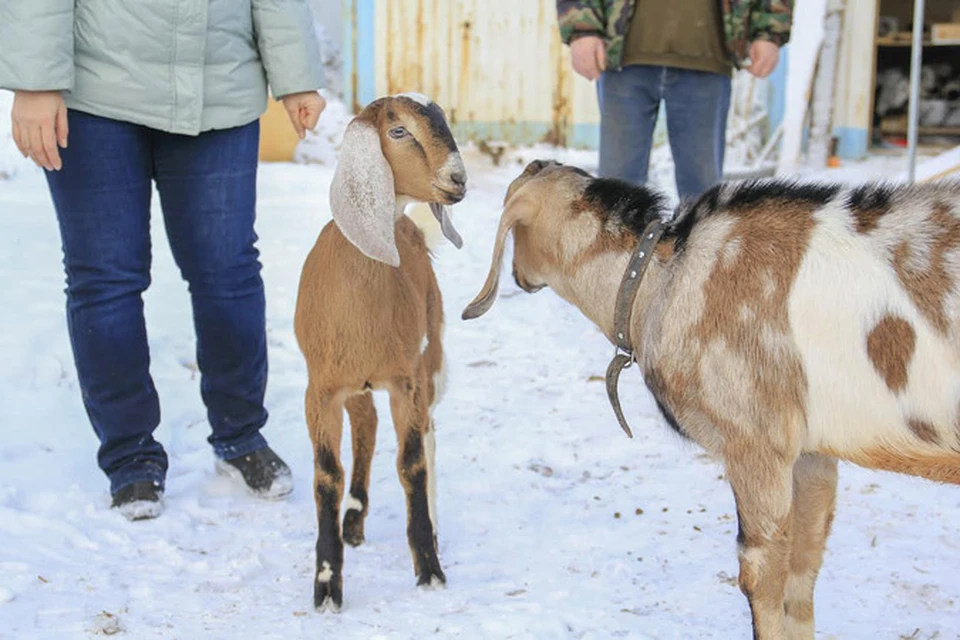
{"type": "Point", "coordinates": [111, 97]}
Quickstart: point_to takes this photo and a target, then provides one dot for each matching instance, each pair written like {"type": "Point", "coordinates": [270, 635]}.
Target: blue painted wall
{"type": "Point", "coordinates": [359, 42]}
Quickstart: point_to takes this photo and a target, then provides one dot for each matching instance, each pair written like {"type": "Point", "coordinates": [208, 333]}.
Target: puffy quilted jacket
{"type": "Point", "coordinates": [182, 66]}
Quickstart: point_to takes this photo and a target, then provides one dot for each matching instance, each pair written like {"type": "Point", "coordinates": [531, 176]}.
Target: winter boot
{"type": "Point", "coordinates": [264, 473]}
{"type": "Point", "coordinates": [139, 501]}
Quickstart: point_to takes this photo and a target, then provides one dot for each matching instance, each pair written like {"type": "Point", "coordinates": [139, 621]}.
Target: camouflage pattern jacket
{"type": "Point", "coordinates": [743, 22]}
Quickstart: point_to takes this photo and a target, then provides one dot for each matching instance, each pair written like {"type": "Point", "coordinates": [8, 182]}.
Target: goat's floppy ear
{"type": "Point", "coordinates": [518, 209]}
{"type": "Point", "coordinates": [362, 196]}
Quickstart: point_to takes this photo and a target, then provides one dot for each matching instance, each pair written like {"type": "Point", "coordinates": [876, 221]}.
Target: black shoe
{"type": "Point", "coordinates": [264, 473]}
{"type": "Point", "coordinates": [139, 501]}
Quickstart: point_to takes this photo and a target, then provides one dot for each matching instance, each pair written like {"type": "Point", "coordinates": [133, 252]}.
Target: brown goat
{"type": "Point", "coordinates": [369, 316]}
{"type": "Point", "coordinates": [780, 326]}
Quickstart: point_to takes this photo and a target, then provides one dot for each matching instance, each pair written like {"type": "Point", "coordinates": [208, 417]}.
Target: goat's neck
{"type": "Point", "coordinates": [593, 286]}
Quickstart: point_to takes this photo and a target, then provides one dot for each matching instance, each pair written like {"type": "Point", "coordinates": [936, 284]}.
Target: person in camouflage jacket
{"type": "Point", "coordinates": [744, 21]}
{"type": "Point", "coordinates": [681, 55]}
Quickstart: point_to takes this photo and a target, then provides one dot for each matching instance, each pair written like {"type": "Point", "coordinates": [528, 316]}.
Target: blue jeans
{"type": "Point", "coordinates": [697, 103]}
{"type": "Point", "coordinates": [207, 187]}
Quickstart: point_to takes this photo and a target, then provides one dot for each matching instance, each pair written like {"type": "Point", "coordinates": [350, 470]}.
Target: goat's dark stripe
{"type": "Point", "coordinates": [329, 545]}
{"type": "Point", "coordinates": [412, 449]}
{"type": "Point", "coordinates": [869, 203]}
{"type": "Point", "coordinates": [420, 530]}
{"type": "Point", "coordinates": [327, 462]}
{"type": "Point", "coordinates": [743, 199]}
{"type": "Point", "coordinates": [688, 214]}
{"type": "Point", "coordinates": [751, 193]}
{"type": "Point", "coordinates": [438, 125]}
{"type": "Point", "coordinates": [623, 203]}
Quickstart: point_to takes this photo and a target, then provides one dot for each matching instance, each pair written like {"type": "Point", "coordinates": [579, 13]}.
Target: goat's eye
{"type": "Point", "coordinates": [398, 132]}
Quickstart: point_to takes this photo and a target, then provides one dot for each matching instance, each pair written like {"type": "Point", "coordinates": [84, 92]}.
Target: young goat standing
{"type": "Point", "coordinates": [369, 316]}
{"type": "Point", "coordinates": [780, 326]}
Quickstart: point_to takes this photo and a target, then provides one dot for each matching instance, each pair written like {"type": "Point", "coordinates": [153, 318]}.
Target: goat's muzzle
{"type": "Point", "coordinates": [451, 194]}
{"type": "Point", "coordinates": [523, 284]}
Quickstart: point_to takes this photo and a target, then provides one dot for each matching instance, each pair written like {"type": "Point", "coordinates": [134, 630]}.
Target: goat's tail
{"type": "Point", "coordinates": [424, 219]}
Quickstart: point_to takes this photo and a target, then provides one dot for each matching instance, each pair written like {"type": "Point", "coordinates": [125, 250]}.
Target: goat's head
{"type": "Point", "coordinates": [397, 150]}
{"type": "Point", "coordinates": [540, 210]}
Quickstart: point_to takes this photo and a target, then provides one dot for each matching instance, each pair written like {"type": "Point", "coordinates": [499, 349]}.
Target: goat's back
{"type": "Point", "coordinates": [359, 321]}
{"type": "Point", "coordinates": [834, 310]}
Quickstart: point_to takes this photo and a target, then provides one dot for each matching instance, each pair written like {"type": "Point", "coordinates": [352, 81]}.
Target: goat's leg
{"type": "Point", "coordinates": [363, 431]}
{"type": "Point", "coordinates": [763, 490]}
{"type": "Point", "coordinates": [325, 421]}
{"type": "Point", "coordinates": [814, 500]}
{"type": "Point", "coordinates": [436, 380]}
{"type": "Point", "coordinates": [414, 464]}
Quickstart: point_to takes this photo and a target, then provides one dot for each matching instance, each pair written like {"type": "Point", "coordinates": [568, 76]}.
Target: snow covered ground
{"type": "Point", "coordinates": [552, 523]}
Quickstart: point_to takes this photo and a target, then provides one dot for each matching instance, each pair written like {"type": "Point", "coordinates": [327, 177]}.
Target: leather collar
{"type": "Point", "coordinates": [623, 355]}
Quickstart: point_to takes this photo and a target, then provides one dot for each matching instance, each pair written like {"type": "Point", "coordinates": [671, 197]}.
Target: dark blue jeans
{"type": "Point", "coordinates": [697, 103]}
{"type": "Point", "coordinates": [207, 187]}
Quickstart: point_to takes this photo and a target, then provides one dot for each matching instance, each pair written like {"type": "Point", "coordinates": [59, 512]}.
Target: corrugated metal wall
{"type": "Point", "coordinates": [496, 66]}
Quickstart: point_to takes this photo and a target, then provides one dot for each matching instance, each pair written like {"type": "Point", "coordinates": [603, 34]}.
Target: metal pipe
{"type": "Point", "coordinates": [913, 112]}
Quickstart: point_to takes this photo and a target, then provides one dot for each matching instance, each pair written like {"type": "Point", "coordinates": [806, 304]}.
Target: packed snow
{"type": "Point", "coordinates": [551, 523]}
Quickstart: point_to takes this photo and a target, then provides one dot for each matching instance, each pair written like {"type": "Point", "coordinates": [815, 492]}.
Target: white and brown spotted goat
{"type": "Point", "coordinates": [780, 326]}
{"type": "Point", "coordinates": [369, 316]}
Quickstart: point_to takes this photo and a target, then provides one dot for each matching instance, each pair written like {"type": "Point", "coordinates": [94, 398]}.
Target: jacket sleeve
{"type": "Point", "coordinates": [771, 20]}
{"type": "Point", "coordinates": [287, 41]}
{"type": "Point", "coordinates": [579, 18]}
{"type": "Point", "coordinates": [36, 45]}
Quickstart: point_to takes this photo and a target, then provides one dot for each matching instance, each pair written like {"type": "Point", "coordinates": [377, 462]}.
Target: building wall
{"type": "Point", "coordinates": [499, 70]}
{"type": "Point", "coordinates": [496, 66]}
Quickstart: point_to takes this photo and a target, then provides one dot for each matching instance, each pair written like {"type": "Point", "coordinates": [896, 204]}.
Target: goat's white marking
{"type": "Point", "coordinates": [730, 251]}
{"type": "Point", "coordinates": [719, 362]}
{"type": "Point", "coordinates": [439, 383]}
{"type": "Point", "coordinates": [769, 285]}
{"type": "Point", "coordinates": [403, 201]}
{"type": "Point", "coordinates": [351, 503]}
{"type": "Point", "coordinates": [324, 574]}
{"type": "Point", "coordinates": [702, 256]}
{"type": "Point", "coordinates": [430, 442]}
{"type": "Point", "coordinates": [797, 629]}
{"type": "Point", "coordinates": [430, 453]}
{"type": "Point", "coordinates": [843, 288]}
{"type": "Point", "coordinates": [424, 344]}
{"type": "Point", "coordinates": [416, 97]}
{"type": "Point", "coordinates": [753, 557]}
{"type": "Point", "coordinates": [453, 164]}
{"type": "Point", "coordinates": [798, 587]}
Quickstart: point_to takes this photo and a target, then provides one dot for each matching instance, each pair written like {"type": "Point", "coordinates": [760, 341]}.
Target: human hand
{"type": "Point", "coordinates": [589, 56]}
{"type": "Point", "coordinates": [39, 126]}
{"type": "Point", "coordinates": [764, 56]}
{"type": "Point", "coordinates": [304, 110]}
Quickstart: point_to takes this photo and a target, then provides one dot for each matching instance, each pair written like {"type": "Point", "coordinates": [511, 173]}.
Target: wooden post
{"type": "Point", "coordinates": [913, 115]}
{"type": "Point", "coordinates": [824, 85]}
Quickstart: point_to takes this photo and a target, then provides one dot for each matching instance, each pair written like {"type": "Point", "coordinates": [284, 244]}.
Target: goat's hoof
{"type": "Point", "coordinates": [327, 590]}
{"type": "Point", "coordinates": [327, 597]}
{"type": "Point", "coordinates": [432, 581]}
{"type": "Point", "coordinates": [353, 528]}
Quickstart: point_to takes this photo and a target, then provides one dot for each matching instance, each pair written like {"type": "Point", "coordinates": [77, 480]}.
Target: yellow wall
{"type": "Point", "coordinates": [278, 140]}
{"type": "Point", "coordinates": [496, 66]}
